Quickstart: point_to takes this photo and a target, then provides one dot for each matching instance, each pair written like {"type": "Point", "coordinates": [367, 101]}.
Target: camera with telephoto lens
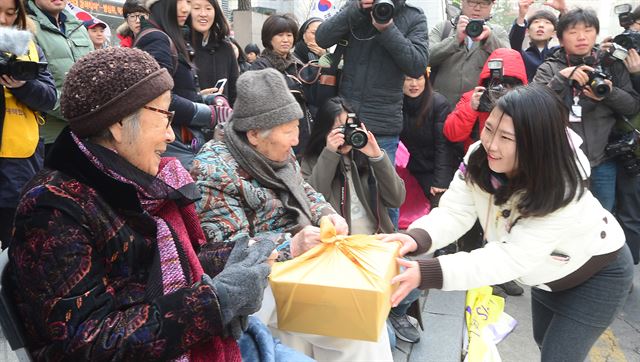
{"type": "Point", "coordinates": [474, 28]}
{"type": "Point", "coordinates": [382, 11]}
{"type": "Point", "coordinates": [353, 133]}
{"type": "Point", "coordinates": [495, 88]}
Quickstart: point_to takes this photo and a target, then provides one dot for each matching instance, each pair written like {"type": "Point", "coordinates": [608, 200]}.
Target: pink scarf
{"type": "Point", "coordinates": [183, 220]}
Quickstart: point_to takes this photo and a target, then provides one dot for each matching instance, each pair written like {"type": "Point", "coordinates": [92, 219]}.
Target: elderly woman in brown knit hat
{"type": "Point", "coordinates": [108, 261]}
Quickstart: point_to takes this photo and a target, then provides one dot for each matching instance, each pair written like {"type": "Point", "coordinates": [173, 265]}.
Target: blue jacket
{"type": "Point", "coordinates": [532, 56]}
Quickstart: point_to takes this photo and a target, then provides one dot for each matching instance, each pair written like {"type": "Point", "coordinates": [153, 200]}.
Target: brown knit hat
{"type": "Point", "coordinates": [109, 84]}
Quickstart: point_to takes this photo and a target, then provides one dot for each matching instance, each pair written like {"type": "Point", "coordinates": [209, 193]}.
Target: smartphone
{"type": "Point", "coordinates": [220, 83]}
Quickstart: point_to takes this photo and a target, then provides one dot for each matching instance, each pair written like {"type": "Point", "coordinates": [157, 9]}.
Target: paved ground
{"type": "Point", "coordinates": [443, 320]}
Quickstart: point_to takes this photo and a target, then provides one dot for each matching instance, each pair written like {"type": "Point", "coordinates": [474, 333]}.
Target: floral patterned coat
{"type": "Point", "coordinates": [85, 276]}
{"type": "Point", "coordinates": [235, 205]}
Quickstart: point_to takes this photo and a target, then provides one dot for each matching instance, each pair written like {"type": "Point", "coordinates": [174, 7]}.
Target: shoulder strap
{"type": "Point", "coordinates": [337, 55]}
{"type": "Point", "coordinates": [172, 46]}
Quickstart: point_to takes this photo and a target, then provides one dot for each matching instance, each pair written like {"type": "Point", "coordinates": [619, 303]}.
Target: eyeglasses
{"type": "Point", "coordinates": [135, 17]}
{"type": "Point", "coordinates": [476, 3]}
{"type": "Point", "coordinates": [169, 114]}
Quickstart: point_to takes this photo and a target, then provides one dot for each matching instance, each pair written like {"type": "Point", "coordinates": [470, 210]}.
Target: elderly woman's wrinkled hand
{"type": "Point", "coordinates": [342, 228]}
{"type": "Point", "coordinates": [304, 240]}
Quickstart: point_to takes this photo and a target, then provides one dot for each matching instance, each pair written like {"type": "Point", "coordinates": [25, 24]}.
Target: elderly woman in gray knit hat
{"type": "Point", "coordinates": [108, 261]}
{"type": "Point", "coordinates": [252, 186]}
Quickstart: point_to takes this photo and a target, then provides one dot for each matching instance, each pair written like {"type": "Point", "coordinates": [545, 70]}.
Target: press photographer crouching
{"type": "Point", "coordinates": [597, 90]}
{"type": "Point", "coordinates": [27, 88]}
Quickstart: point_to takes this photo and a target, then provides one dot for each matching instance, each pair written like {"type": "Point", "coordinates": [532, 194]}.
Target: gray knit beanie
{"type": "Point", "coordinates": [107, 85]}
{"type": "Point", "coordinates": [263, 101]}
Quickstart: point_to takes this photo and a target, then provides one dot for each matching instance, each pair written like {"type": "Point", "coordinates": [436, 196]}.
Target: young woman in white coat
{"type": "Point", "coordinates": [525, 180]}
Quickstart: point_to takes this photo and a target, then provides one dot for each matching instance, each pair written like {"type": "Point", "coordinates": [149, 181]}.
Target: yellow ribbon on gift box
{"type": "Point", "coordinates": [339, 288]}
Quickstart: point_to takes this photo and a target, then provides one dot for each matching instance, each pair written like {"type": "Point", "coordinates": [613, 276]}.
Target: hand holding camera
{"type": "Point", "coordinates": [475, 29]}
{"type": "Point", "coordinates": [632, 62]}
{"type": "Point", "coordinates": [9, 82]}
{"type": "Point", "coordinates": [475, 97]}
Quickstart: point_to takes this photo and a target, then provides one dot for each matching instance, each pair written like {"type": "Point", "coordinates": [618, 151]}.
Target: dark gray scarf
{"type": "Point", "coordinates": [279, 176]}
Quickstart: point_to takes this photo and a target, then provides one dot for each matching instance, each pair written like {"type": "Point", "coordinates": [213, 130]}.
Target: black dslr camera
{"type": "Point", "coordinates": [597, 78]}
{"type": "Point", "coordinates": [624, 149]}
{"type": "Point", "coordinates": [382, 11]}
{"type": "Point", "coordinates": [353, 134]}
{"type": "Point", "coordinates": [495, 88]}
{"type": "Point", "coordinates": [474, 28]}
{"type": "Point", "coordinates": [597, 82]}
{"type": "Point", "coordinates": [20, 69]}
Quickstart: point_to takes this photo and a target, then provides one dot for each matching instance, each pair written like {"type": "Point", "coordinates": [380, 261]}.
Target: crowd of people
{"type": "Point", "coordinates": [147, 188]}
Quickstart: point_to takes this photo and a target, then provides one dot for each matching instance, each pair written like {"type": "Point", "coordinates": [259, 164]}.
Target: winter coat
{"type": "Point", "coordinates": [464, 124]}
{"type": "Point", "coordinates": [62, 51]}
{"type": "Point", "coordinates": [434, 159]}
{"type": "Point", "coordinates": [375, 63]}
{"type": "Point", "coordinates": [38, 95]}
{"type": "Point", "coordinates": [598, 117]}
{"type": "Point", "coordinates": [125, 35]}
{"type": "Point", "coordinates": [188, 123]}
{"type": "Point", "coordinates": [532, 56]}
{"type": "Point", "coordinates": [84, 270]}
{"type": "Point", "coordinates": [520, 248]}
{"type": "Point", "coordinates": [235, 205]}
{"type": "Point", "coordinates": [298, 91]}
{"type": "Point", "coordinates": [456, 66]}
{"type": "Point", "coordinates": [214, 61]}
{"type": "Point", "coordinates": [377, 186]}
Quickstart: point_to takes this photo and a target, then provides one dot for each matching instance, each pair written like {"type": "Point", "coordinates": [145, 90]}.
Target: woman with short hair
{"type": "Point", "coordinates": [108, 260]}
{"type": "Point", "coordinates": [278, 36]}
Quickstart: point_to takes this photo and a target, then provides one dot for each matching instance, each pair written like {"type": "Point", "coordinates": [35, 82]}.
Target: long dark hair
{"type": "Point", "coordinates": [165, 15]}
{"type": "Point", "coordinates": [547, 175]}
{"type": "Point", "coordinates": [323, 124]}
{"type": "Point", "coordinates": [426, 101]}
{"type": "Point", "coordinates": [21, 20]}
{"type": "Point", "coordinates": [219, 30]}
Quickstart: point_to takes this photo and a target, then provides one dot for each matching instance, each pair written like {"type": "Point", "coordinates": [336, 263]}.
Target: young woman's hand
{"type": "Point", "coordinates": [335, 139]}
{"type": "Point", "coordinates": [436, 190]}
{"type": "Point", "coordinates": [408, 280]}
{"type": "Point", "coordinates": [408, 244]}
{"type": "Point", "coordinates": [371, 150]}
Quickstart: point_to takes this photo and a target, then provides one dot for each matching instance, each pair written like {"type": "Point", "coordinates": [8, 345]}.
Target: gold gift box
{"type": "Point", "coordinates": [340, 288]}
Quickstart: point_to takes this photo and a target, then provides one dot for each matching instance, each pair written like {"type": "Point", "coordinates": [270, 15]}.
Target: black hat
{"type": "Point", "coordinates": [133, 6]}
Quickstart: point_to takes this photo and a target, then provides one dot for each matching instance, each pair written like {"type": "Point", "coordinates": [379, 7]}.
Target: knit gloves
{"type": "Point", "coordinates": [221, 110]}
{"type": "Point", "coordinates": [240, 286]}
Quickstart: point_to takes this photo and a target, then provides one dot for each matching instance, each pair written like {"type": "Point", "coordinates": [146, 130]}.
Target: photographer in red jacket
{"type": "Point", "coordinates": [503, 70]}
